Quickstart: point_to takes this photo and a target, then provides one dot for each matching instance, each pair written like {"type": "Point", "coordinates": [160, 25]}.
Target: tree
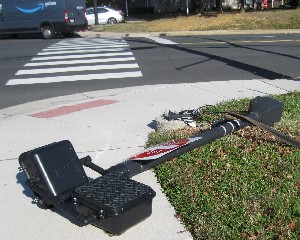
{"type": "Point", "coordinates": [294, 3]}
{"type": "Point", "coordinates": [89, 3]}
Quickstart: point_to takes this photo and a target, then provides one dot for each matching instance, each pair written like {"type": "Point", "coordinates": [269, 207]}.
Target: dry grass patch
{"type": "Point", "coordinates": [287, 19]}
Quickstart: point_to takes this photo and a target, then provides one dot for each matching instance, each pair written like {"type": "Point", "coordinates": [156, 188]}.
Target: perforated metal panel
{"type": "Point", "coordinates": [113, 193]}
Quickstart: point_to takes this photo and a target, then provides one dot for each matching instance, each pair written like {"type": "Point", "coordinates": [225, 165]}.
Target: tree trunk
{"type": "Point", "coordinates": [242, 9]}
{"type": "Point", "coordinates": [219, 6]}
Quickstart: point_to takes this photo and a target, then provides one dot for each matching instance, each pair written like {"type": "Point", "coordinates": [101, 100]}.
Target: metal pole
{"type": "Point", "coordinates": [263, 109]}
{"type": "Point", "coordinates": [96, 12]}
{"type": "Point", "coordinates": [187, 7]}
{"type": "Point", "coordinates": [126, 6]}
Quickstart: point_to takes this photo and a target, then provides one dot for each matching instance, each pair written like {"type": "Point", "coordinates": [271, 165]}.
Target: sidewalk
{"type": "Point", "coordinates": [109, 133]}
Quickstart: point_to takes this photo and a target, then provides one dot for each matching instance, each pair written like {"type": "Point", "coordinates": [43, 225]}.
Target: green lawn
{"type": "Point", "coordinates": [243, 186]}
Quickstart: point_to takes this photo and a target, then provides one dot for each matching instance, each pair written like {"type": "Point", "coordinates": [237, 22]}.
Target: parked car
{"type": "Point", "coordinates": [105, 16]}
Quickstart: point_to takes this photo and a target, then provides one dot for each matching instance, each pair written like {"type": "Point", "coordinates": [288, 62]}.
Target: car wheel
{"type": "Point", "coordinates": [48, 32]}
{"type": "Point", "coordinates": [112, 21]}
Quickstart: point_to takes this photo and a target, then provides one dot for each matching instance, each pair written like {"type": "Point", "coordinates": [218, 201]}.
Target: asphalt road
{"type": "Point", "coordinates": [164, 60]}
{"type": "Point", "coordinates": [219, 58]}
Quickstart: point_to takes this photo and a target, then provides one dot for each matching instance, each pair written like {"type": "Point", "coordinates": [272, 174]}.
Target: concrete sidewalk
{"type": "Point", "coordinates": [109, 132]}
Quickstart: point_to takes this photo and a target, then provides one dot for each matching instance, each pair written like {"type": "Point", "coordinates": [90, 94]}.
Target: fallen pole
{"type": "Point", "coordinates": [262, 109]}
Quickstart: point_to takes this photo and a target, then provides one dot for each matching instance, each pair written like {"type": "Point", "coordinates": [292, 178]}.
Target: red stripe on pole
{"type": "Point", "coordinates": [73, 108]}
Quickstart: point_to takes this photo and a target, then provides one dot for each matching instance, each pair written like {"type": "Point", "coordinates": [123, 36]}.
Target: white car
{"type": "Point", "coordinates": [105, 16]}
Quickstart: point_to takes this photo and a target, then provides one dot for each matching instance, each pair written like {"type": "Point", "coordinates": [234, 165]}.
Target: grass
{"type": "Point", "coordinates": [243, 186]}
{"type": "Point", "coordinates": [275, 19]}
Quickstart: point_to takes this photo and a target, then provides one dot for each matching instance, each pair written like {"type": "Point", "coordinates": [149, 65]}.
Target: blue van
{"type": "Point", "coordinates": [46, 17]}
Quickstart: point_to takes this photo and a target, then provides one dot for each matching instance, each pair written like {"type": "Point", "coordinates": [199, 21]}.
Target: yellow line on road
{"type": "Point", "coordinates": [244, 41]}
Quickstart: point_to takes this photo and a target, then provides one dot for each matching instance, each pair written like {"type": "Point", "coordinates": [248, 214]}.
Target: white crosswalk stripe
{"type": "Point", "coordinates": [83, 51]}
{"type": "Point", "coordinates": [72, 62]}
{"type": "Point", "coordinates": [80, 60]}
{"type": "Point", "coordinates": [83, 47]}
{"type": "Point", "coordinates": [85, 56]}
{"type": "Point", "coordinates": [76, 69]}
{"type": "Point", "coordinates": [162, 40]}
{"type": "Point", "coordinates": [87, 77]}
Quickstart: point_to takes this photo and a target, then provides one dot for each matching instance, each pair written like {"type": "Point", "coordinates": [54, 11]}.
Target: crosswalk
{"type": "Point", "coordinates": [80, 59]}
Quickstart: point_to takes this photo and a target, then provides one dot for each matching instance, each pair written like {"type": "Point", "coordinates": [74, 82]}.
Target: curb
{"type": "Point", "coordinates": [188, 33]}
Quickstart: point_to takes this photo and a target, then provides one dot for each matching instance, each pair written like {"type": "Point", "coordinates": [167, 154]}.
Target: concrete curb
{"type": "Point", "coordinates": [187, 33]}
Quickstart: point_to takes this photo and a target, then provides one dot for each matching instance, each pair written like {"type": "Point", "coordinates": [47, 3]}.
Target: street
{"type": "Point", "coordinates": [219, 58]}
{"type": "Point", "coordinates": [34, 69]}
